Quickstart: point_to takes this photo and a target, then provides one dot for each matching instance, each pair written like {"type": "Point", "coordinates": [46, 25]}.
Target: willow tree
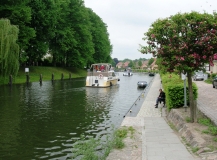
{"type": "Point", "coordinates": [184, 43]}
{"type": "Point", "coordinates": [9, 49]}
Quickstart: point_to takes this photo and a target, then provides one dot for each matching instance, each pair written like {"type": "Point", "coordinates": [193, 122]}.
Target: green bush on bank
{"type": "Point", "coordinates": [173, 86]}
{"type": "Point", "coordinates": [35, 71]}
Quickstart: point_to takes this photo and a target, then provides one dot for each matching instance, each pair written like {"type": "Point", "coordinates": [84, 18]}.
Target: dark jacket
{"type": "Point", "coordinates": [162, 95]}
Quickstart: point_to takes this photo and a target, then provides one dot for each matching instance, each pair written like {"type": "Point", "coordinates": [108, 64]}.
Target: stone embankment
{"type": "Point", "coordinates": [191, 135]}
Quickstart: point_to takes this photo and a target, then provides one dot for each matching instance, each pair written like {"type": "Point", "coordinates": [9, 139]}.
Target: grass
{"type": "Point", "coordinates": [194, 149]}
{"type": "Point", "coordinates": [188, 119]}
{"type": "Point", "coordinates": [172, 126]}
{"type": "Point", "coordinates": [36, 71]}
{"type": "Point", "coordinates": [89, 149]}
{"type": "Point", "coordinates": [209, 81]}
{"type": "Point", "coordinates": [212, 129]}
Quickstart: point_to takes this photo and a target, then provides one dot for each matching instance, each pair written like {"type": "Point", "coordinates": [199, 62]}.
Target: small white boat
{"type": "Point", "coordinates": [101, 75]}
{"type": "Point", "coordinates": [127, 74]}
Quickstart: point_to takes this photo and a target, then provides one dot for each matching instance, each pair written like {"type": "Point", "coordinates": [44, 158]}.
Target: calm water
{"type": "Point", "coordinates": [43, 122]}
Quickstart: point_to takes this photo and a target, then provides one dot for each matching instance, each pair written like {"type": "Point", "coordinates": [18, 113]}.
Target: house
{"type": "Point", "coordinates": [125, 65]}
{"type": "Point", "coordinates": [144, 64]}
{"type": "Point", "coordinates": [154, 66]}
{"type": "Point", "coordinates": [213, 69]}
{"type": "Point", "coordinates": [122, 65]}
{"type": "Point", "coordinates": [119, 65]}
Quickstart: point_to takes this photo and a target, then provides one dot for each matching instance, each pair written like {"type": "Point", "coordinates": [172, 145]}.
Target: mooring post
{"type": "Point", "coordinates": [10, 80]}
{"type": "Point", "coordinates": [52, 77]}
{"type": "Point", "coordinates": [40, 80]}
{"type": "Point", "coordinates": [70, 76]}
{"type": "Point", "coordinates": [62, 76]}
{"type": "Point", "coordinates": [27, 78]}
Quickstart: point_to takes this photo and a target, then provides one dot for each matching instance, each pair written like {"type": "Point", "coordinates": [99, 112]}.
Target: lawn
{"type": "Point", "coordinates": [46, 72]}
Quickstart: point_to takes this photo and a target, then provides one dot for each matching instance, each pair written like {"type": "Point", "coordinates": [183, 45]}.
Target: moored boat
{"type": "Point", "coordinates": [101, 75]}
{"type": "Point", "coordinates": [142, 84]}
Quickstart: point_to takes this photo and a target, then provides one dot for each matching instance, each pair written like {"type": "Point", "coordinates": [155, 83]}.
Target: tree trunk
{"type": "Point", "coordinates": [191, 98]}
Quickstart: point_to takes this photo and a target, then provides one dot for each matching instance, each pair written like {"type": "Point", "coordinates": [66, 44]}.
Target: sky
{"type": "Point", "coordinates": [128, 20]}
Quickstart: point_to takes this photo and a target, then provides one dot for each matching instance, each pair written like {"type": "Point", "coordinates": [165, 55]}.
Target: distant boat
{"type": "Point", "coordinates": [128, 72]}
{"type": "Point", "coordinates": [101, 75]}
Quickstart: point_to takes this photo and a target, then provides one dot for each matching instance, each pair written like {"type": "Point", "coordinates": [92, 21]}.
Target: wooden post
{"type": "Point", "coordinates": [70, 76]}
{"type": "Point", "coordinates": [10, 80]}
{"type": "Point", "coordinates": [52, 77]}
{"type": "Point", "coordinates": [27, 78]}
{"type": "Point", "coordinates": [40, 80]}
{"type": "Point", "coordinates": [62, 76]}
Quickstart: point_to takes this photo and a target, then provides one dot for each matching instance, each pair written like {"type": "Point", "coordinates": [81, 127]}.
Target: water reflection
{"type": "Point", "coordinates": [44, 121]}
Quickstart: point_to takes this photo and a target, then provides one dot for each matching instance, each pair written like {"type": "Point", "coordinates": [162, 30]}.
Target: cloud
{"type": "Point", "coordinates": [128, 20]}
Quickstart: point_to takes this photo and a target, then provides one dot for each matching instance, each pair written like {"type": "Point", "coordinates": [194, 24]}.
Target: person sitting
{"type": "Point", "coordinates": [160, 98]}
{"type": "Point", "coordinates": [102, 68]}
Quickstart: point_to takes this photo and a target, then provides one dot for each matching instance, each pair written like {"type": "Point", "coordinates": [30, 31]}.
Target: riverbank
{"type": "Point", "coordinates": [46, 72]}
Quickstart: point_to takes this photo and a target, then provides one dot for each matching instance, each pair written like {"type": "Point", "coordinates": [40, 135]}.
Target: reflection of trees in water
{"type": "Point", "coordinates": [50, 118]}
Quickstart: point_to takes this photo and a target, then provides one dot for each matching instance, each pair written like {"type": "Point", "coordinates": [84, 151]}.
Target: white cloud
{"type": "Point", "coordinates": [128, 20]}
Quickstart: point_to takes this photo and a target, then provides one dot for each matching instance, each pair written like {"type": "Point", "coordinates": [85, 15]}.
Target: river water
{"type": "Point", "coordinates": [44, 121]}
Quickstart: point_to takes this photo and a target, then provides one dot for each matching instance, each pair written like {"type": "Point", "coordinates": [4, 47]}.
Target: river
{"type": "Point", "coordinates": [44, 121]}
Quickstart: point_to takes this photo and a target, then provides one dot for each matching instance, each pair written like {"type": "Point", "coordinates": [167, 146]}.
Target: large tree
{"type": "Point", "coordinates": [184, 43]}
{"type": "Point", "coordinates": [19, 14]}
{"type": "Point", "coordinates": [9, 49]}
{"type": "Point", "coordinates": [100, 38]}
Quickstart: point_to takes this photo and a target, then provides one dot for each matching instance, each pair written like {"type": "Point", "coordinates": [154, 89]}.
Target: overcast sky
{"type": "Point", "coordinates": [128, 20]}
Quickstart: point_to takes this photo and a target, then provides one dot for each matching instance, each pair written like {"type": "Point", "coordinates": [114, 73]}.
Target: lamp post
{"type": "Point", "coordinates": [185, 99]}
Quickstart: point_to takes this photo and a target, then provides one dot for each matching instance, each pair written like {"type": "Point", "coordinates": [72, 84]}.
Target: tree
{"type": "Point", "coordinates": [131, 64]}
{"type": "Point", "coordinates": [9, 49]}
{"type": "Point", "coordinates": [19, 14]}
{"type": "Point", "coordinates": [139, 63]}
{"type": "Point", "coordinates": [116, 61]}
{"type": "Point", "coordinates": [100, 39]}
{"type": "Point", "coordinates": [184, 43]}
{"type": "Point", "coordinates": [150, 61]}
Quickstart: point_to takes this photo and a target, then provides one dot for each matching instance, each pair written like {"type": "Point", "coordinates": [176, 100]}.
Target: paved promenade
{"type": "Point", "coordinates": [154, 139]}
{"type": "Point", "coordinates": [207, 100]}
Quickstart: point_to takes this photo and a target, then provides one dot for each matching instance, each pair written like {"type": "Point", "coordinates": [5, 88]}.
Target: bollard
{"type": "Point", "coordinates": [70, 76]}
{"type": "Point", "coordinates": [27, 79]}
{"type": "Point", "coordinates": [40, 80]}
{"type": "Point", "coordinates": [10, 80]}
{"type": "Point", "coordinates": [62, 76]}
{"type": "Point", "coordinates": [52, 77]}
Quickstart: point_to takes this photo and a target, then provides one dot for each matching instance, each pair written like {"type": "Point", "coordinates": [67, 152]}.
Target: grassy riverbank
{"type": "Point", "coordinates": [34, 74]}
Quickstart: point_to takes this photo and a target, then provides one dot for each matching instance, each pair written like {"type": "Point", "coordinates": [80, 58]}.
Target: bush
{"type": "Point", "coordinates": [173, 86]}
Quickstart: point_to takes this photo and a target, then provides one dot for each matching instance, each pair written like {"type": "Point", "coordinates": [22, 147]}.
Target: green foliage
{"type": "Point", "coordinates": [150, 61]}
{"type": "Point", "coordinates": [131, 64]}
{"type": "Point", "coordinates": [195, 149]}
{"type": "Point", "coordinates": [173, 86]}
{"type": "Point", "coordinates": [184, 42]}
{"type": "Point", "coordinates": [87, 149]}
{"type": "Point", "coordinates": [19, 14]}
{"type": "Point", "coordinates": [204, 121]}
{"type": "Point", "coordinates": [187, 119]}
{"type": "Point", "coordinates": [100, 38]}
{"type": "Point", "coordinates": [211, 128]}
{"type": "Point", "coordinates": [140, 63]}
{"type": "Point", "coordinates": [46, 72]}
{"type": "Point", "coordinates": [71, 33]}
{"type": "Point", "coordinates": [9, 49]}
